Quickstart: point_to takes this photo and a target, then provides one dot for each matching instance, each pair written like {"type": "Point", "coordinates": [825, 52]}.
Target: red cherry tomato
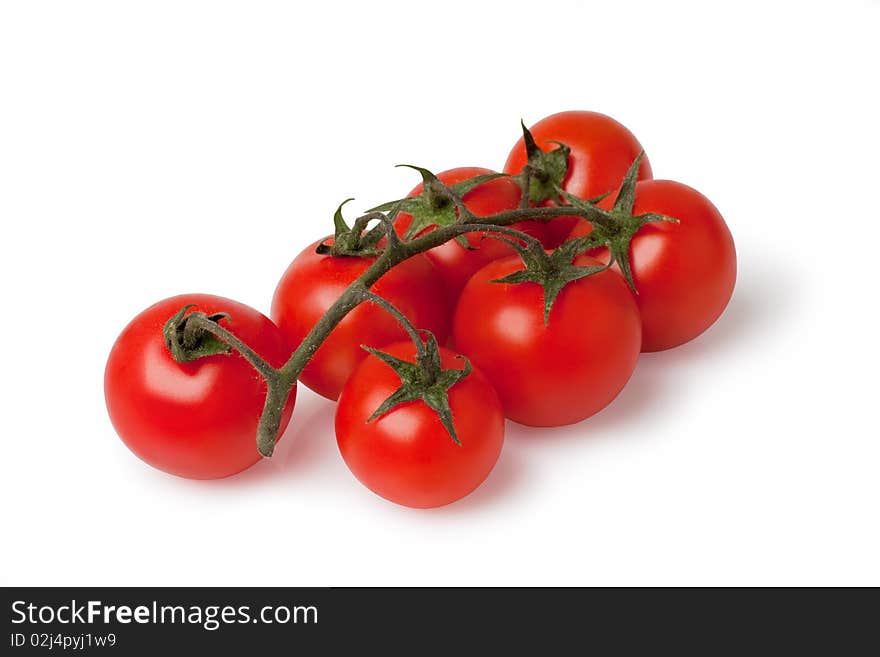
{"type": "Point", "coordinates": [684, 272]}
{"type": "Point", "coordinates": [601, 152]}
{"type": "Point", "coordinates": [453, 262]}
{"type": "Point", "coordinates": [313, 282]}
{"type": "Point", "coordinates": [199, 419]}
{"type": "Point", "coordinates": [406, 455]}
{"type": "Point", "coordinates": [559, 373]}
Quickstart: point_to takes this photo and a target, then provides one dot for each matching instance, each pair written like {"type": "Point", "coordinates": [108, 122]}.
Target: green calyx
{"type": "Point", "coordinates": [187, 341]}
{"type": "Point", "coordinates": [614, 228]}
{"type": "Point", "coordinates": [552, 271]}
{"type": "Point", "coordinates": [438, 204]}
{"type": "Point", "coordinates": [545, 171]}
{"type": "Point", "coordinates": [424, 380]}
{"type": "Point", "coordinates": [356, 240]}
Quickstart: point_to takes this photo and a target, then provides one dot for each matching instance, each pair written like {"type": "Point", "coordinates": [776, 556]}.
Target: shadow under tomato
{"type": "Point", "coordinates": [307, 441]}
{"type": "Point", "coordinates": [503, 478]}
{"type": "Point", "coordinates": [765, 298]}
{"type": "Point", "coordinates": [312, 440]}
{"type": "Point", "coordinates": [637, 402]}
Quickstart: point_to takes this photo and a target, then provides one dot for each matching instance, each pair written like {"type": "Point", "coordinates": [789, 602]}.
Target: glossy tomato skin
{"type": "Point", "coordinates": [406, 455]}
{"type": "Point", "coordinates": [602, 151]}
{"type": "Point", "coordinates": [556, 374]}
{"type": "Point", "coordinates": [685, 272]}
{"type": "Point", "coordinates": [454, 263]}
{"type": "Point", "coordinates": [313, 282]}
{"type": "Point", "coordinates": [199, 419]}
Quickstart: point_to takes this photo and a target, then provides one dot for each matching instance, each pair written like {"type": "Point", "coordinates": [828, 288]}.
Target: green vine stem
{"type": "Point", "coordinates": [278, 388]}
{"type": "Point", "coordinates": [421, 351]}
{"type": "Point", "coordinates": [281, 381]}
{"type": "Point", "coordinates": [426, 379]}
{"type": "Point", "coordinates": [393, 255]}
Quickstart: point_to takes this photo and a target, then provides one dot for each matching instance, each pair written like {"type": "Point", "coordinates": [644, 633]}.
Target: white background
{"type": "Point", "coordinates": [148, 149]}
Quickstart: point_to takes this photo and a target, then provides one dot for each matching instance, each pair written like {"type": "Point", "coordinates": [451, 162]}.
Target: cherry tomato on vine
{"type": "Point", "coordinates": [407, 455]}
{"type": "Point", "coordinates": [454, 262]}
{"type": "Point", "coordinates": [561, 372]}
{"type": "Point", "coordinates": [601, 152]}
{"type": "Point", "coordinates": [196, 419]}
{"type": "Point", "coordinates": [313, 282]}
{"type": "Point", "coordinates": [684, 272]}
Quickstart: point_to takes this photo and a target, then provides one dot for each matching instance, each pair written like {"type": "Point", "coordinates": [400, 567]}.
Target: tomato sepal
{"type": "Point", "coordinates": [424, 380]}
{"type": "Point", "coordinates": [354, 241]}
{"type": "Point", "coordinates": [545, 171]}
{"type": "Point", "coordinates": [187, 341]}
{"type": "Point", "coordinates": [552, 271]}
{"type": "Point", "coordinates": [438, 204]}
{"type": "Point", "coordinates": [614, 228]}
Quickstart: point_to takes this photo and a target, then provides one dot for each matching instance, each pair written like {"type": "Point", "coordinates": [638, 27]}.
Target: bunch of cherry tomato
{"type": "Point", "coordinates": [543, 327]}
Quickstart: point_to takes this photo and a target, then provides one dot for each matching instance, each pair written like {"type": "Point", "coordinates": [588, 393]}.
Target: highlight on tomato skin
{"type": "Point", "coordinates": [407, 456]}
{"type": "Point", "coordinates": [312, 284]}
{"type": "Point", "coordinates": [198, 419]}
{"type": "Point", "coordinates": [454, 263]}
{"type": "Point", "coordinates": [552, 374]}
{"type": "Point", "coordinates": [684, 272]}
{"type": "Point", "coordinates": [602, 149]}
